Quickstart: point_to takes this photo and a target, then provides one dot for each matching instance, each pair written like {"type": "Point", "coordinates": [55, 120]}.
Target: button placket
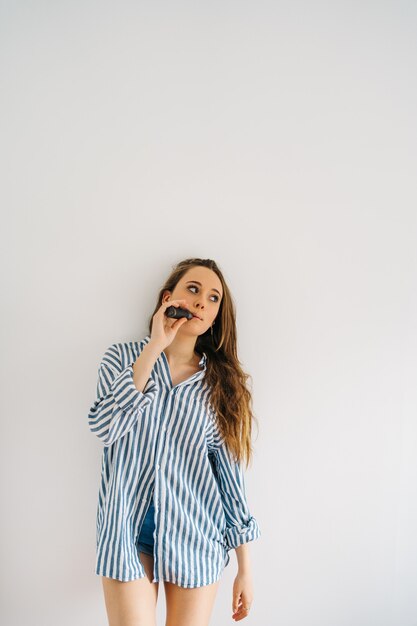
{"type": "Point", "coordinates": [159, 488]}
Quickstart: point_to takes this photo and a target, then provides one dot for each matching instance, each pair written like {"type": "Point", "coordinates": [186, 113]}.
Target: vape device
{"type": "Point", "coordinates": [177, 312]}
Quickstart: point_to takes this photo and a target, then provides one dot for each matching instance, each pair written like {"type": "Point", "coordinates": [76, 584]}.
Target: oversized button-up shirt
{"type": "Point", "coordinates": [163, 444]}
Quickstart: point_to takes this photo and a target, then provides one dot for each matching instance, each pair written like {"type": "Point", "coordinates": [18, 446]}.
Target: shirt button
{"type": "Point", "coordinates": [157, 466]}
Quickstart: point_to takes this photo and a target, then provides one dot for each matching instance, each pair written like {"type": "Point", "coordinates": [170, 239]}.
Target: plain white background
{"type": "Point", "coordinates": [278, 138]}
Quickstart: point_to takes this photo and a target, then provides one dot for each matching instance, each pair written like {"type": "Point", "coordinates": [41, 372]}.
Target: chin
{"type": "Point", "coordinates": [191, 331]}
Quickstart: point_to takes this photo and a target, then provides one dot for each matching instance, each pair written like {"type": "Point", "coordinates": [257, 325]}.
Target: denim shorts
{"type": "Point", "coordinates": [145, 540]}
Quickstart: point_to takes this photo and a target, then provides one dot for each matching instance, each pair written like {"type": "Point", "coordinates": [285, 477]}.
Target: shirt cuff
{"type": "Point", "coordinates": [242, 533]}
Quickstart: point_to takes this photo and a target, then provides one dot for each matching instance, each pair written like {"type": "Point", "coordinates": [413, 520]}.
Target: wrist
{"type": "Point", "coordinates": [153, 348]}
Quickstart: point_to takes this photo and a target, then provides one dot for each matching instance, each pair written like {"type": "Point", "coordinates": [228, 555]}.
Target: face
{"type": "Point", "coordinates": [202, 290]}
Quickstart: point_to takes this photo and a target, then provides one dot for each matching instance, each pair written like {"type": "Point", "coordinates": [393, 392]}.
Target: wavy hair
{"type": "Point", "coordinates": [230, 397]}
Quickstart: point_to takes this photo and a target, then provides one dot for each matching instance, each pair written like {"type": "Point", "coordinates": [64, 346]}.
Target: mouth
{"type": "Point", "coordinates": [198, 318]}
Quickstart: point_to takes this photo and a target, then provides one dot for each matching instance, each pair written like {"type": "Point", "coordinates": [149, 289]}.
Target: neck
{"type": "Point", "coordinates": [181, 351]}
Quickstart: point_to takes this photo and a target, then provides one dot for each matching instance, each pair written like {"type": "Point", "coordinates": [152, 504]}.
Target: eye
{"type": "Point", "coordinates": [195, 287]}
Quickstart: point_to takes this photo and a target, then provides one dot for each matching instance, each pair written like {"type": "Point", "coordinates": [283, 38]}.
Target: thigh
{"type": "Point", "coordinates": [189, 606]}
{"type": "Point", "coordinates": [132, 603]}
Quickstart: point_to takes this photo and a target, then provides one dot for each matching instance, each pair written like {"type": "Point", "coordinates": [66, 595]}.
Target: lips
{"type": "Point", "coordinates": [199, 318]}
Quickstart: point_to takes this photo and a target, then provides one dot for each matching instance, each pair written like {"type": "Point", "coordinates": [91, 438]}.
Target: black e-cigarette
{"type": "Point", "coordinates": [177, 312]}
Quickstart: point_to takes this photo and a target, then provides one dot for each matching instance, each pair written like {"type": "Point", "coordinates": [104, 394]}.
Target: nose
{"type": "Point", "coordinates": [199, 308]}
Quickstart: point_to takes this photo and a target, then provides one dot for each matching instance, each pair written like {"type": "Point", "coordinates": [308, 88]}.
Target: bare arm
{"type": "Point", "coordinates": [243, 558]}
{"type": "Point", "coordinates": [164, 331]}
{"type": "Point", "coordinates": [143, 365]}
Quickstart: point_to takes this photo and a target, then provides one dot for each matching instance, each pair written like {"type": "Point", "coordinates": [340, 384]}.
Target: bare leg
{"type": "Point", "coordinates": [189, 606]}
{"type": "Point", "coordinates": [132, 603]}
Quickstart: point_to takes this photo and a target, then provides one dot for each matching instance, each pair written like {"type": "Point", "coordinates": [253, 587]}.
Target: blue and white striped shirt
{"type": "Point", "coordinates": [163, 443]}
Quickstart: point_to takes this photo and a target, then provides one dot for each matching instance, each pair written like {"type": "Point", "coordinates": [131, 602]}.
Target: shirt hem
{"type": "Point", "coordinates": [167, 579]}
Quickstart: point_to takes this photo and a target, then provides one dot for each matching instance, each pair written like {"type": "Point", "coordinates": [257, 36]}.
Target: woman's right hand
{"type": "Point", "coordinates": [164, 329]}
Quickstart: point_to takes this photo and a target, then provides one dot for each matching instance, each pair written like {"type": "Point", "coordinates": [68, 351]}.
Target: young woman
{"type": "Point", "coordinates": [174, 415]}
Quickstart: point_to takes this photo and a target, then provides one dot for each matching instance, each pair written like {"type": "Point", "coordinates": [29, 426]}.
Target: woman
{"type": "Point", "coordinates": [174, 415]}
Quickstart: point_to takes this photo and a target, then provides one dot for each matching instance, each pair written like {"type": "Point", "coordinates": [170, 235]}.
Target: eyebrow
{"type": "Point", "coordinates": [197, 283]}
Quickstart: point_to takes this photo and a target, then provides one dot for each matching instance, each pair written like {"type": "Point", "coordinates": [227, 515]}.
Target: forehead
{"type": "Point", "coordinates": [205, 276]}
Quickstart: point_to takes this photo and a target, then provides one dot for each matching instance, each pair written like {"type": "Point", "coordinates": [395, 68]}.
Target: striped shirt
{"type": "Point", "coordinates": [164, 444]}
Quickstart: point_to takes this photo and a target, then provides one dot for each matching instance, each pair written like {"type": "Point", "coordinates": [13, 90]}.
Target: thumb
{"type": "Point", "coordinates": [179, 322]}
{"type": "Point", "coordinates": [235, 604]}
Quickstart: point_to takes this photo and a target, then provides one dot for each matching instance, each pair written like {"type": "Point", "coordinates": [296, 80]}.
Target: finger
{"type": "Point", "coordinates": [243, 610]}
{"type": "Point", "coordinates": [240, 605]}
{"type": "Point", "coordinates": [179, 322]}
{"type": "Point", "coordinates": [240, 614]}
{"type": "Point", "coordinates": [236, 606]}
{"type": "Point", "coordinates": [174, 302]}
{"type": "Point", "coordinates": [165, 305]}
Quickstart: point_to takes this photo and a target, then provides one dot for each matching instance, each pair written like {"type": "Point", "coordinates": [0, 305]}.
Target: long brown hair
{"type": "Point", "coordinates": [230, 397]}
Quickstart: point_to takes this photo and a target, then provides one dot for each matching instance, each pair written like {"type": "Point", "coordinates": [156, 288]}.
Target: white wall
{"type": "Point", "coordinates": [280, 140]}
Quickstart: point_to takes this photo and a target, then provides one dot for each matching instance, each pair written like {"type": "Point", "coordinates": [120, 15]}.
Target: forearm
{"type": "Point", "coordinates": [243, 557]}
{"type": "Point", "coordinates": [143, 365]}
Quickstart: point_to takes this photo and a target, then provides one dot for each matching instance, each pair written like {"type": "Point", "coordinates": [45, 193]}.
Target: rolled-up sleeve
{"type": "Point", "coordinates": [118, 403]}
{"type": "Point", "coordinates": [241, 526]}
